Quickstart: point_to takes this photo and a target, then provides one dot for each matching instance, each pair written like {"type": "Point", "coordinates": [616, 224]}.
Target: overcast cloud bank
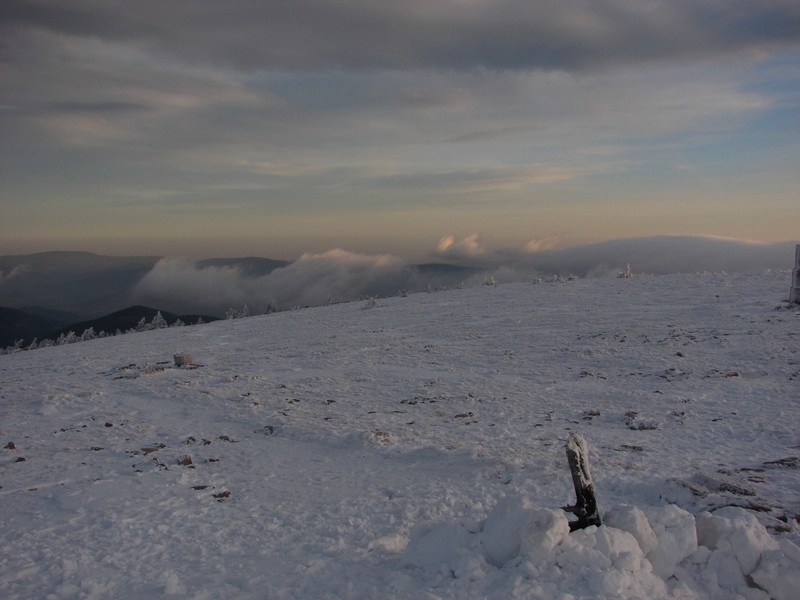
{"type": "Point", "coordinates": [163, 124]}
{"type": "Point", "coordinates": [383, 34]}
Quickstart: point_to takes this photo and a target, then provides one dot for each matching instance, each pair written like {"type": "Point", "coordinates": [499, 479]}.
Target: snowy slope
{"type": "Point", "coordinates": [415, 449]}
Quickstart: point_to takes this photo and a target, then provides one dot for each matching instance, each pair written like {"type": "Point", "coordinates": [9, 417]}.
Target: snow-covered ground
{"type": "Point", "coordinates": [414, 448]}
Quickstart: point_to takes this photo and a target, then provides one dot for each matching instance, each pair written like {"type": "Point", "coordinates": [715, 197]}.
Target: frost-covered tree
{"type": "Point", "coordinates": [234, 313]}
{"type": "Point", "coordinates": [627, 273]}
{"type": "Point", "coordinates": [67, 338]}
{"type": "Point", "coordinates": [158, 322]}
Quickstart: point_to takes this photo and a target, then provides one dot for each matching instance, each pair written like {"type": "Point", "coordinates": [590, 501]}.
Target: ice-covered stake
{"type": "Point", "coordinates": [585, 507]}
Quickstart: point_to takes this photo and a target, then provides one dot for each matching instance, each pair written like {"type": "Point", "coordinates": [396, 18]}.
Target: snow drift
{"type": "Point", "coordinates": [719, 555]}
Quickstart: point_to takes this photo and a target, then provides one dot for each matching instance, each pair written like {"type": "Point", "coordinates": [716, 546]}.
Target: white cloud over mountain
{"type": "Point", "coordinates": [339, 275]}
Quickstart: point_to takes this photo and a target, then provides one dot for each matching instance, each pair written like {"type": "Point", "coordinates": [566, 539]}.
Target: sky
{"type": "Point", "coordinates": [204, 128]}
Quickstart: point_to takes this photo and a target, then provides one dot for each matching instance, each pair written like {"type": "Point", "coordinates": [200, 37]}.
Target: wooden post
{"type": "Point", "coordinates": [794, 295]}
{"type": "Point", "coordinates": [585, 507]}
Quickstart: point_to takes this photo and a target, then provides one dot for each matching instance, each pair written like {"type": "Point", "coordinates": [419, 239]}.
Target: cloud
{"type": "Point", "coordinates": [482, 180]}
{"type": "Point", "coordinates": [212, 287]}
{"type": "Point", "coordinates": [161, 93]}
{"type": "Point", "coordinates": [491, 135]}
{"type": "Point", "coordinates": [384, 34]}
{"type": "Point", "coordinates": [465, 249]}
{"type": "Point", "coordinates": [548, 242]}
{"type": "Point", "coordinates": [338, 275]}
{"type": "Point", "coordinates": [94, 89]}
{"type": "Point", "coordinates": [180, 286]}
{"type": "Point", "coordinates": [209, 114]}
{"type": "Point", "coordinates": [313, 279]}
{"type": "Point", "coordinates": [661, 255]}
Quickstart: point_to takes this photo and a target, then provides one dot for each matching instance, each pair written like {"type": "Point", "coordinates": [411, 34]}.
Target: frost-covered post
{"type": "Point", "coordinates": [794, 295]}
{"type": "Point", "coordinates": [585, 504]}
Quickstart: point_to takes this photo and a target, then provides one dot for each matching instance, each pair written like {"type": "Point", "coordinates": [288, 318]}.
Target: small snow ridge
{"type": "Point", "coordinates": [653, 553]}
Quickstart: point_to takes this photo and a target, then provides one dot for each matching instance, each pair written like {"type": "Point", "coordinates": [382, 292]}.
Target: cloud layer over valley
{"type": "Point", "coordinates": [312, 280]}
{"type": "Point", "coordinates": [339, 275]}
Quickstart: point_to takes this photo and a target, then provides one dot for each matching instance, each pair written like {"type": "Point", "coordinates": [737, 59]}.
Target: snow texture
{"type": "Point", "coordinates": [416, 450]}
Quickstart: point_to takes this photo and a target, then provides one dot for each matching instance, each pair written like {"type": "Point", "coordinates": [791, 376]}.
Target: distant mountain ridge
{"type": "Point", "coordinates": [16, 325]}
{"type": "Point", "coordinates": [62, 317]}
{"type": "Point", "coordinates": [77, 287]}
{"type": "Point", "coordinates": [83, 283]}
{"type": "Point", "coordinates": [128, 318]}
{"type": "Point", "coordinates": [88, 285]}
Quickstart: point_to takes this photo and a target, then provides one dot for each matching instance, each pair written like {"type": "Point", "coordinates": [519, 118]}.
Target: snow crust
{"type": "Point", "coordinates": [414, 448]}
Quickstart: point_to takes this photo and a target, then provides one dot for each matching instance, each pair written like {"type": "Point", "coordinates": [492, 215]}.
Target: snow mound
{"type": "Point", "coordinates": [662, 552]}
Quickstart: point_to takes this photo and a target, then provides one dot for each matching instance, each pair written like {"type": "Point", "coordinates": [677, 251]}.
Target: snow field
{"type": "Point", "coordinates": [414, 448]}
